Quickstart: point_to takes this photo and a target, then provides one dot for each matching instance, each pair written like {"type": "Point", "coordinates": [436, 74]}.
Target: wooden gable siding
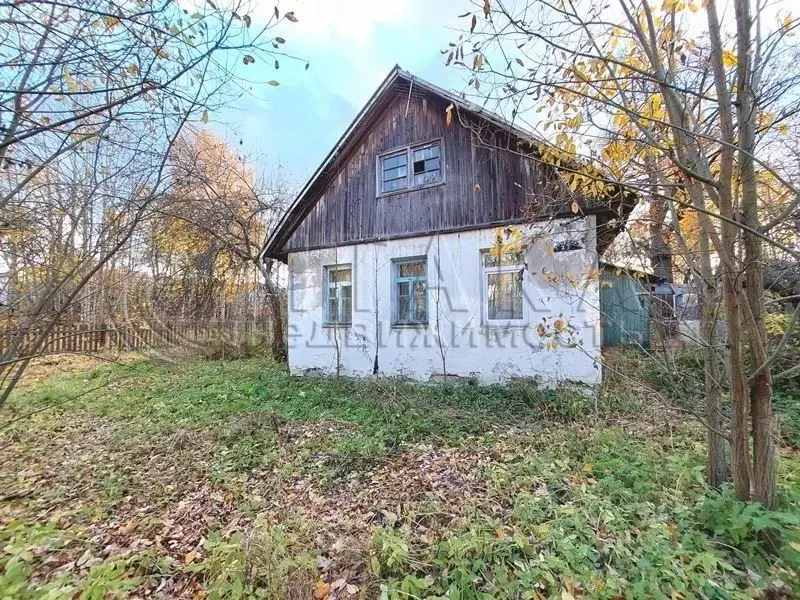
{"type": "Point", "coordinates": [348, 209]}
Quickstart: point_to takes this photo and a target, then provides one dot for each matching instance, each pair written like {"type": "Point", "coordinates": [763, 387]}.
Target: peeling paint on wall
{"type": "Point", "coordinates": [556, 286]}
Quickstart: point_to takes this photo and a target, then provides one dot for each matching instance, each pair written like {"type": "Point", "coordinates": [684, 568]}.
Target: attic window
{"type": "Point", "coordinates": [425, 160]}
{"type": "Point", "coordinates": [568, 245]}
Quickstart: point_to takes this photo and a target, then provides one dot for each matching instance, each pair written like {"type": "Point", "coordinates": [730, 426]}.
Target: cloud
{"type": "Point", "coordinates": [329, 23]}
{"type": "Point", "coordinates": [351, 45]}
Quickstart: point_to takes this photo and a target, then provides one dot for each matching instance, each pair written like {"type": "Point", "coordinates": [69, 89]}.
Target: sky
{"type": "Point", "coordinates": [350, 45]}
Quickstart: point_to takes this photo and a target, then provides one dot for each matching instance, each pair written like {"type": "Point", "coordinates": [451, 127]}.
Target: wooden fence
{"type": "Point", "coordinates": [81, 338]}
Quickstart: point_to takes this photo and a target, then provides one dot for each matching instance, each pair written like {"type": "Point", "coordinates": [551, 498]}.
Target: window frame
{"type": "Point", "coordinates": [395, 296]}
{"type": "Point", "coordinates": [409, 152]}
{"type": "Point", "coordinates": [326, 271]}
{"type": "Point", "coordinates": [495, 270]}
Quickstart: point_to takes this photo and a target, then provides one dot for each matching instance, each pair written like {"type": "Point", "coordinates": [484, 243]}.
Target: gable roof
{"type": "Point", "coordinates": [412, 85]}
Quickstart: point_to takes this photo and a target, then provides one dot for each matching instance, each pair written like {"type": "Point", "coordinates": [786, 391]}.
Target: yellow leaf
{"type": "Point", "coordinates": [573, 185]}
{"type": "Point", "coordinates": [449, 113]}
{"type": "Point", "coordinates": [477, 187]}
{"type": "Point", "coordinates": [477, 63]}
{"type": "Point", "coordinates": [787, 21]}
{"type": "Point", "coordinates": [575, 207]}
{"type": "Point", "coordinates": [110, 21]}
{"type": "Point", "coordinates": [129, 527]}
{"type": "Point", "coordinates": [588, 467]}
{"type": "Point", "coordinates": [321, 590]}
{"type": "Point", "coordinates": [729, 58]}
{"type": "Point", "coordinates": [670, 5]}
{"type": "Point", "coordinates": [72, 85]}
{"type": "Point", "coordinates": [783, 129]}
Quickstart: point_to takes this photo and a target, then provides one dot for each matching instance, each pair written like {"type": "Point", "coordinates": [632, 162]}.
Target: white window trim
{"type": "Point", "coordinates": [484, 273]}
{"type": "Point", "coordinates": [409, 151]}
{"type": "Point", "coordinates": [396, 262]}
{"type": "Point", "coordinates": [325, 291]}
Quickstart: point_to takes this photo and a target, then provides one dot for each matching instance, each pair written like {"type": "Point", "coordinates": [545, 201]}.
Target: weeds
{"type": "Point", "coordinates": [232, 479]}
{"type": "Point", "coordinates": [266, 562]}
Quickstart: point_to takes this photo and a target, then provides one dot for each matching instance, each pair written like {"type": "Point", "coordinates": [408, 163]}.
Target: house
{"type": "Point", "coordinates": [430, 244]}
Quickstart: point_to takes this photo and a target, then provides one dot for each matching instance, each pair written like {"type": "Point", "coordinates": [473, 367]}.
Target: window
{"type": "Point", "coordinates": [426, 167]}
{"type": "Point", "coordinates": [503, 286]}
{"type": "Point", "coordinates": [569, 236]}
{"type": "Point", "coordinates": [568, 246]}
{"type": "Point", "coordinates": [338, 295]}
{"type": "Point", "coordinates": [410, 292]}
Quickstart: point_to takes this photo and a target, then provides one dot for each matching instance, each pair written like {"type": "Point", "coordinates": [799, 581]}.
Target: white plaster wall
{"type": "Point", "coordinates": [561, 285]}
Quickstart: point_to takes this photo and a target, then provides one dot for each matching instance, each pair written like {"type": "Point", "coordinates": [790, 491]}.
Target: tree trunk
{"type": "Point", "coordinates": [740, 401]}
{"type": "Point", "coordinates": [716, 442]}
{"type": "Point", "coordinates": [660, 251]}
{"type": "Point", "coordinates": [274, 312]}
{"type": "Point", "coordinates": [717, 474]}
{"type": "Point", "coordinates": [763, 480]}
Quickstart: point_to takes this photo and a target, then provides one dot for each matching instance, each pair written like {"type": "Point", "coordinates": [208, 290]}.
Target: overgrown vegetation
{"type": "Point", "coordinates": [212, 479]}
{"type": "Point", "coordinates": [678, 379]}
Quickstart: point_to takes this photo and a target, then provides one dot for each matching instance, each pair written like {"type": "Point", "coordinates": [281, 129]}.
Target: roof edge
{"type": "Point", "coordinates": [269, 249]}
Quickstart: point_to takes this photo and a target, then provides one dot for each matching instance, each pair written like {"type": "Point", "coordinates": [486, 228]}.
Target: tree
{"type": "Point", "coordinates": [218, 195]}
{"type": "Point", "coordinates": [95, 96]}
{"type": "Point", "coordinates": [637, 97]}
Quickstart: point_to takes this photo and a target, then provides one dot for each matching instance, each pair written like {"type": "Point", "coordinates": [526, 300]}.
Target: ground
{"type": "Point", "coordinates": [231, 479]}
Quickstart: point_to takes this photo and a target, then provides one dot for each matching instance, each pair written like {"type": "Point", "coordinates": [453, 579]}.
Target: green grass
{"type": "Point", "coordinates": [233, 479]}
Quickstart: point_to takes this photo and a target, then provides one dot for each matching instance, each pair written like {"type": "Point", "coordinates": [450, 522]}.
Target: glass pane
{"type": "Point", "coordinates": [398, 160]}
{"type": "Point", "coordinates": [429, 177]}
{"type": "Point", "coordinates": [339, 275]}
{"type": "Point", "coordinates": [347, 310]}
{"type": "Point", "coordinates": [402, 309]}
{"type": "Point", "coordinates": [568, 245]}
{"type": "Point", "coordinates": [490, 259]}
{"type": "Point", "coordinates": [402, 288]}
{"type": "Point", "coordinates": [346, 291]}
{"type": "Point", "coordinates": [421, 166]}
{"type": "Point", "coordinates": [426, 153]}
{"type": "Point", "coordinates": [415, 269]}
{"type": "Point", "coordinates": [395, 184]}
{"type": "Point", "coordinates": [420, 302]}
{"type": "Point", "coordinates": [395, 173]}
{"type": "Point", "coordinates": [505, 296]}
{"type": "Point", "coordinates": [333, 312]}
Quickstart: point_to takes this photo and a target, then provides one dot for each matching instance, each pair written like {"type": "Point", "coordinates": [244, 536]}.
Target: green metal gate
{"type": "Point", "coordinates": [624, 309]}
